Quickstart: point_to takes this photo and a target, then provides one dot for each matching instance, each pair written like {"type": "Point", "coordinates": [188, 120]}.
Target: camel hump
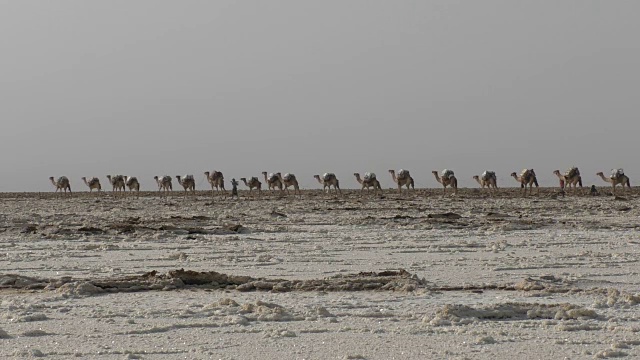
{"type": "Point", "coordinates": [573, 171]}
{"type": "Point", "coordinates": [287, 177]}
{"type": "Point", "coordinates": [254, 179]}
{"type": "Point", "coordinates": [527, 174]}
{"type": "Point", "coordinates": [328, 176]}
{"type": "Point", "coordinates": [616, 173]}
{"type": "Point", "coordinates": [166, 178]}
{"type": "Point", "coordinates": [446, 173]}
{"type": "Point", "coordinates": [369, 176]}
{"type": "Point", "coordinates": [403, 174]}
{"type": "Point", "coordinates": [488, 175]}
{"type": "Point", "coordinates": [188, 177]}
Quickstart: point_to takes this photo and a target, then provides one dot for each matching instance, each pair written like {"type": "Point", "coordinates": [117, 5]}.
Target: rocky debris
{"type": "Point", "coordinates": [276, 214]}
{"type": "Point", "coordinates": [400, 280]}
{"type": "Point", "coordinates": [447, 215]}
{"type": "Point", "coordinates": [494, 215]}
{"type": "Point", "coordinates": [233, 227]}
{"type": "Point", "coordinates": [21, 282]}
{"type": "Point", "coordinates": [91, 229]}
{"type": "Point", "coordinates": [29, 229]}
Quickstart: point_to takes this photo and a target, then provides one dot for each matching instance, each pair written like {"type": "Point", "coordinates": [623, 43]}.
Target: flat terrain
{"type": "Point", "coordinates": [320, 277]}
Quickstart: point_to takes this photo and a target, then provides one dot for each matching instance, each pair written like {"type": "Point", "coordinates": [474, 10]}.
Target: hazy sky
{"type": "Point", "coordinates": [147, 88]}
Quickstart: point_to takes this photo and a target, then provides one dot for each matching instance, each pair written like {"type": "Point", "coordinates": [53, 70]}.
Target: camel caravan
{"type": "Point", "coordinates": [279, 184]}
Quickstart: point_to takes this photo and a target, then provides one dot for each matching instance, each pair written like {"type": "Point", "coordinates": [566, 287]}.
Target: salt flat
{"type": "Point", "coordinates": [320, 277]}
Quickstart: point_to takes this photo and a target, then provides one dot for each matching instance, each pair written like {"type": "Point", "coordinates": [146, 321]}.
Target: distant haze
{"type": "Point", "coordinates": [146, 88]}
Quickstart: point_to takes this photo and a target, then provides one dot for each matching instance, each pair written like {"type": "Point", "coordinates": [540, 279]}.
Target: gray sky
{"type": "Point", "coordinates": [147, 88]}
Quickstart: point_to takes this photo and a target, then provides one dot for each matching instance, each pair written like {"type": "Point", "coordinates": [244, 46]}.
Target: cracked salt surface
{"type": "Point", "coordinates": [100, 277]}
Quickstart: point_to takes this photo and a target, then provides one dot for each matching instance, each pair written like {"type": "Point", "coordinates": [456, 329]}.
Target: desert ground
{"type": "Point", "coordinates": [412, 276]}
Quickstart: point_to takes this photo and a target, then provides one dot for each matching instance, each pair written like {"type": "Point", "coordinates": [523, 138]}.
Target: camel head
{"type": "Point", "coordinates": [600, 173]}
{"type": "Point", "coordinates": [392, 171]}
{"type": "Point", "coordinates": [206, 173]}
{"type": "Point", "coordinates": [556, 172]}
{"type": "Point", "coordinates": [316, 177]}
{"type": "Point", "coordinates": [514, 175]}
{"type": "Point", "coordinates": [434, 172]}
{"type": "Point", "coordinates": [476, 177]}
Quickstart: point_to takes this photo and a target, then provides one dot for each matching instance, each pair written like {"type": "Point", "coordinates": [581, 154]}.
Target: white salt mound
{"type": "Point", "coordinates": [79, 289]}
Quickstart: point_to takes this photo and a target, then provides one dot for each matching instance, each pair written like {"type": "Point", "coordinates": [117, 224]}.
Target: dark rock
{"type": "Point", "coordinates": [29, 229]}
{"type": "Point", "coordinates": [90, 229]}
{"type": "Point", "coordinates": [233, 227]}
{"type": "Point", "coordinates": [447, 215]}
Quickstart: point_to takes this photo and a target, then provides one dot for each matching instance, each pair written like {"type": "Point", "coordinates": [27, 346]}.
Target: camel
{"type": "Point", "coordinates": [164, 183]}
{"type": "Point", "coordinates": [61, 184]}
{"type": "Point", "coordinates": [447, 179]}
{"type": "Point", "coordinates": [488, 180]}
{"type": "Point", "coordinates": [188, 182]}
{"type": "Point", "coordinates": [117, 182]}
{"type": "Point", "coordinates": [216, 179]}
{"type": "Point", "coordinates": [253, 183]}
{"type": "Point", "coordinates": [273, 181]}
{"type": "Point", "coordinates": [132, 183]}
{"type": "Point", "coordinates": [569, 178]}
{"type": "Point", "coordinates": [527, 177]}
{"type": "Point", "coordinates": [617, 177]}
{"type": "Point", "coordinates": [403, 179]}
{"type": "Point", "coordinates": [369, 180]}
{"type": "Point", "coordinates": [94, 183]}
{"type": "Point", "coordinates": [328, 180]}
{"type": "Point", "coordinates": [289, 180]}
